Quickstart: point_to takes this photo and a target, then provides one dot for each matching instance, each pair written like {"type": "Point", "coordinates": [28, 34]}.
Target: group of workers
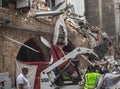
{"type": "Point", "coordinates": [22, 81]}
{"type": "Point", "coordinates": [91, 77]}
{"type": "Point", "coordinates": [94, 74]}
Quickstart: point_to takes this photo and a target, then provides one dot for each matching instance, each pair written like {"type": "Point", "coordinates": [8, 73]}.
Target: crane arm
{"type": "Point", "coordinates": [71, 55]}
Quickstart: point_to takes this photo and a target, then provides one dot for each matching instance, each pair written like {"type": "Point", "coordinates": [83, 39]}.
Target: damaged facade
{"type": "Point", "coordinates": [105, 14]}
{"type": "Point", "coordinates": [25, 28]}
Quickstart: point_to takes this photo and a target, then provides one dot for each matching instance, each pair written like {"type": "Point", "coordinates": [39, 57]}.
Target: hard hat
{"type": "Point", "coordinates": [91, 68]}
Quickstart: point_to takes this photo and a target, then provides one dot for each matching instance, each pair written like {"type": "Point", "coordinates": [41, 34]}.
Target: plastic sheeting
{"type": "Point", "coordinates": [31, 74]}
{"type": "Point", "coordinates": [60, 22]}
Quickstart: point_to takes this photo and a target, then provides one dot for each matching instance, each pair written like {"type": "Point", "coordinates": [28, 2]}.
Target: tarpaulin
{"type": "Point", "coordinates": [60, 22]}
{"type": "Point", "coordinates": [40, 68]}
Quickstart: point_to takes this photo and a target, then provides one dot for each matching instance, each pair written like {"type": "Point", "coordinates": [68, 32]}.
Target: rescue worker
{"type": "Point", "coordinates": [91, 78]}
{"type": "Point", "coordinates": [66, 75]}
{"type": "Point", "coordinates": [22, 81]}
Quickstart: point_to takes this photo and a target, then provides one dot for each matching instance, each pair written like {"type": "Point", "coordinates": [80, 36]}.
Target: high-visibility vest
{"type": "Point", "coordinates": [91, 79]}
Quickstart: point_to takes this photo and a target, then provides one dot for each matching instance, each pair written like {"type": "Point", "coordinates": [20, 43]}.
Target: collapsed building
{"type": "Point", "coordinates": [32, 33]}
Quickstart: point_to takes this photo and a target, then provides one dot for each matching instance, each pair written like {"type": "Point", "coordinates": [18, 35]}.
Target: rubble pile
{"type": "Point", "coordinates": [72, 29]}
{"type": "Point", "coordinates": [75, 28]}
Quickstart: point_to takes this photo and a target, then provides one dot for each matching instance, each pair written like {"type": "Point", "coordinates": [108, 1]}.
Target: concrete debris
{"type": "Point", "coordinates": [67, 24]}
{"type": "Point", "coordinates": [71, 23]}
{"type": "Point", "coordinates": [40, 5]}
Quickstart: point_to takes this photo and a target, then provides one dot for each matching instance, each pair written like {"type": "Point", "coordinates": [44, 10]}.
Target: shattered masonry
{"type": "Point", "coordinates": [62, 28]}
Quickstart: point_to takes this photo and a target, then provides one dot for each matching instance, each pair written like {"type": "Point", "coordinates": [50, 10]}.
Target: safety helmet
{"type": "Point", "coordinates": [91, 68]}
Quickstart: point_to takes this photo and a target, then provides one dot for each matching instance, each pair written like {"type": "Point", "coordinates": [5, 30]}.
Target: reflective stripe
{"type": "Point", "coordinates": [89, 86]}
{"type": "Point", "coordinates": [91, 80]}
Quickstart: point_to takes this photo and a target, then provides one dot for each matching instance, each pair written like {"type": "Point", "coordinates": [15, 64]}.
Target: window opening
{"type": "Point", "coordinates": [4, 3]}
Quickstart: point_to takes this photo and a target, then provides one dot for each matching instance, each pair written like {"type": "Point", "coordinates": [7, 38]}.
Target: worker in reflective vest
{"type": "Point", "coordinates": [91, 78]}
{"type": "Point", "coordinates": [65, 77]}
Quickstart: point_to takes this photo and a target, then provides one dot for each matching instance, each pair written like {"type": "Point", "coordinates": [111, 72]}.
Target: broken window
{"type": "Point", "coordinates": [4, 3]}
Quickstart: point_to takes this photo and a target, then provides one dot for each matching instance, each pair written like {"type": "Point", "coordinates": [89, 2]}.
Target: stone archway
{"type": "Point", "coordinates": [35, 52]}
{"type": "Point", "coordinates": [10, 49]}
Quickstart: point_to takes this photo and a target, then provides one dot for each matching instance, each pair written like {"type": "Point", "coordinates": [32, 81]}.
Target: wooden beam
{"type": "Point", "coordinates": [21, 43]}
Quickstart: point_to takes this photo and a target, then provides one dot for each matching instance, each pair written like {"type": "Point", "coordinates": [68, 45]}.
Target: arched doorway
{"type": "Point", "coordinates": [25, 54]}
{"type": "Point", "coordinates": [31, 57]}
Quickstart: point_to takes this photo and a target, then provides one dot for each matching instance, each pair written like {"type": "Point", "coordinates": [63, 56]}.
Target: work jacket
{"type": "Point", "coordinates": [91, 80]}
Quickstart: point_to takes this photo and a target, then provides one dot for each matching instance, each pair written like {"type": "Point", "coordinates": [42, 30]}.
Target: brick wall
{"type": "Point", "coordinates": [21, 29]}
{"type": "Point", "coordinates": [10, 49]}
